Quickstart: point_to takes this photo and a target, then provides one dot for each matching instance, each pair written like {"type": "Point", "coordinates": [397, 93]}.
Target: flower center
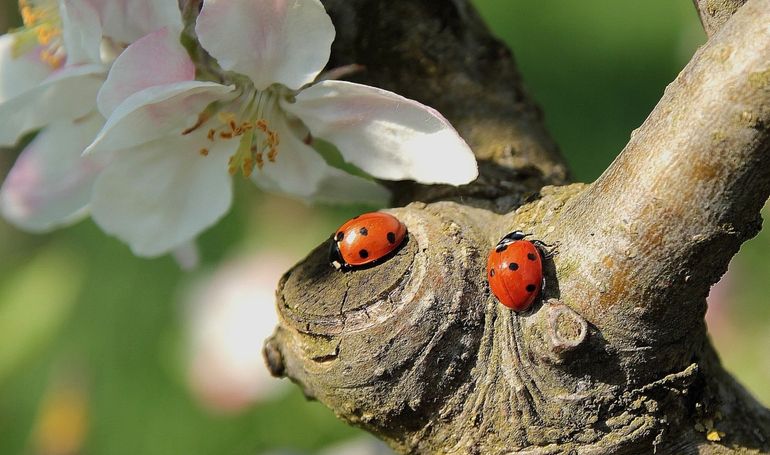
{"type": "Point", "coordinates": [247, 119]}
{"type": "Point", "coordinates": [42, 27]}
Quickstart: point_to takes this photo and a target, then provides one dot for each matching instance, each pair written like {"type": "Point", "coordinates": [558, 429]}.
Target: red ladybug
{"type": "Point", "coordinates": [515, 270]}
{"type": "Point", "coordinates": [366, 239]}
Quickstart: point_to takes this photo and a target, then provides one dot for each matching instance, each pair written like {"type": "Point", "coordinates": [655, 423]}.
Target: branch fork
{"type": "Point", "coordinates": [615, 358]}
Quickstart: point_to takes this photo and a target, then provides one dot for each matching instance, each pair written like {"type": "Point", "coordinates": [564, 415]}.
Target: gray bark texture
{"type": "Point", "coordinates": [615, 358]}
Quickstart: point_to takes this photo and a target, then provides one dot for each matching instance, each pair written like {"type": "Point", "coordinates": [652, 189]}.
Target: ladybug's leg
{"type": "Point", "coordinates": [547, 250]}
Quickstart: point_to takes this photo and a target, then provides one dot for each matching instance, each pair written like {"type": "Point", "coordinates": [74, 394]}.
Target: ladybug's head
{"type": "Point", "coordinates": [335, 257]}
{"type": "Point", "coordinates": [513, 236]}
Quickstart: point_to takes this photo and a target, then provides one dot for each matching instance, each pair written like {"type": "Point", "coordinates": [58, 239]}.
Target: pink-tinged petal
{"type": "Point", "coordinates": [385, 134]}
{"type": "Point", "coordinates": [156, 112]}
{"type": "Point", "coordinates": [19, 73]}
{"type": "Point", "coordinates": [230, 312]}
{"type": "Point", "coordinates": [68, 94]}
{"type": "Point", "coordinates": [125, 21]}
{"type": "Point", "coordinates": [187, 255]}
{"type": "Point", "coordinates": [50, 184]}
{"type": "Point", "coordinates": [162, 52]}
{"type": "Point", "coordinates": [161, 195]}
{"type": "Point", "coordinates": [283, 41]}
{"type": "Point", "coordinates": [81, 31]}
{"type": "Point", "coordinates": [300, 171]}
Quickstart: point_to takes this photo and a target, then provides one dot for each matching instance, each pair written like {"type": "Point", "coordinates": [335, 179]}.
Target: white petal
{"type": "Point", "coordinates": [161, 195]}
{"type": "Point", "coordinates": [68, 94]}
{"type": "Point", "coordinates": [161, 51]}
{"type": "Point", "coordinates": [19, 73]}
{"type": "Point", "coordinates": [156, 112]}
{"type": "Point", "coordinates": [50, 184]}
{"type": "Point", "coordinates": [81, 32]}
{"type": "Point", "coordinates": [125, 21]}
{"type": "Point", "coordinates": [284, 41]}
{"type": "Point", "coordinates": [300, 171]}
{"type": "Point", "coordinates": [386, 135]}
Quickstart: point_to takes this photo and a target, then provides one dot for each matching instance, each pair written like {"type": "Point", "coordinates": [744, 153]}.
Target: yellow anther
{"type": "Point", "coordinates": [51, 59]}
{"type": "Point", "coordinates": [46, 33]}
{"type": "Point", "coordinates": [248, 166]}
{"type": "Point", "coordinates": [204, 152]}
{"type": "Point", "coordinates": [211, 134]}
{"type": "Point", "coordinates": [272, 154]}
{"type": "Point", "coordinates": [260, 160]}
{"type": "Point", "coordinates": [272, 138]}
{"type": "Point", "coordinates": [232, 165]}
{"type": "Point", "coordinates": [29, 16]}
{"type": "Point", "coordinates": [226, 135]}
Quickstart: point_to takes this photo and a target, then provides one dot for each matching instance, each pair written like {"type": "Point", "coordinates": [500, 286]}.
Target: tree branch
{"type": "Point", "coordinates": [662, 222]}
{"type": "Point", "coordinates": [615, 358]}
{"type": "Point", "coordinates": [714, 13]}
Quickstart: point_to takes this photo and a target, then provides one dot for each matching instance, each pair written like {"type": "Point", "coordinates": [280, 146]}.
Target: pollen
{"type": "Point", "coordinates": [42, 27]}
{"type": "Point", "coordinates": [257, 141]}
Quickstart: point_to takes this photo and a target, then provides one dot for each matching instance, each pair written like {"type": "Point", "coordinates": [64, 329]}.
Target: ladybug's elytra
{"type": "Point", "coordinates": [515, 270]}
{"type": "Point", "coordinates": [366, 239]}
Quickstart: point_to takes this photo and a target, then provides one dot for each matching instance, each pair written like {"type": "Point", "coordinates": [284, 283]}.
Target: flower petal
{"type": "Point", "coordinates": [156, 112]}
{"type": "Point", "coordinates": [19, 73]}
{"type": "Point", "coordinates": [125, 21]}
{"type": "Point", "coordinates": [284, 41]}
{"type": "Point", "coordinates": [300, 171]}
{"type": "Point", "coordinates": [50, 184]}
{"type": "Point", "coordinates": [161, 51]}
{"type": "Point", "coordinates": [81, 32]}
{"type": "Point", "coordinates": [160, 195]}
{"type": "Point", "coordinates": [69, 93]}
{"type": "Point", "coordinates": [385, 134]}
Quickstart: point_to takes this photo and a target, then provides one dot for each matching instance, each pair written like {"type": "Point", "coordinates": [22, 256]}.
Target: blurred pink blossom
{"type": "Point", "coordinates": [231, 312]}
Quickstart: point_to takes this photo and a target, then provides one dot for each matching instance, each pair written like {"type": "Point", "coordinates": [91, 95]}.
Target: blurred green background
{"type": "Point", "coordinates": [76, 308]}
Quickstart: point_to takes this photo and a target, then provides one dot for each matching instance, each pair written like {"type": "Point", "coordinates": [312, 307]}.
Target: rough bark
{"type": "Point", "coordinates": [615, 358]}
{"type": "Point", "coordinates": [714, 13]}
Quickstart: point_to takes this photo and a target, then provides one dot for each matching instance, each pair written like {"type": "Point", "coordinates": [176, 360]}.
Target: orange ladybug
{"type": "Point", "coordinates": [366, 239]}
{"type": "Point", "coordinates": [515, 270]}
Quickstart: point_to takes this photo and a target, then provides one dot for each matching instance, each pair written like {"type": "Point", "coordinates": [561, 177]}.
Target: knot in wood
{"type": "Point", "coordinates": [384, 345]}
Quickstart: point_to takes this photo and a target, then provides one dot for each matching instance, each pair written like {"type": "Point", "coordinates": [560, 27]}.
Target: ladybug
{"type": "Point", "coordinates": [515, 270]}
{"type": "Point", "coordinates": [366, 239]}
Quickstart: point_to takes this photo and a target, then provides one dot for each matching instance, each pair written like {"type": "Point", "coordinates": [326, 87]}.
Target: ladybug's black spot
{"type": "Point", "coordinates": [364, 254]}
{"type": "Point", "coordinates": [340, 236]}
{"type": "Point", "coordinates": [513, 266]}
{"type": "Point", "coordinates": [492, 272]}
{"type": "Point", "coordinates": [531, 256]}
{"type": "Point", "coordinates": [501, 248]}
{"type": "Point", "coordinates": [363, 231]}
{"type": "Point", "coordinates": [391, 237]}
{"type": "Point", "coordinates": [531, 288]}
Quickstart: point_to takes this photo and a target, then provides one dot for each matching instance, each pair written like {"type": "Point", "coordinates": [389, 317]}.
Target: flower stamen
{"type": "Point", "coordinates": [256, 139]}
{"type": "Point", "coordinates": [42, 26]}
